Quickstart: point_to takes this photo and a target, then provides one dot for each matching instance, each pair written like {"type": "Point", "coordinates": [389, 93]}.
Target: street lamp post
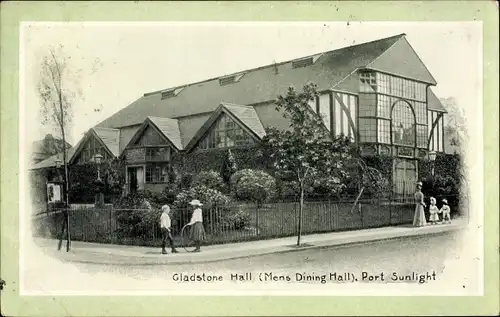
{"type": "Point", "coordinates": [432, 159]}
{"type": "Point", "coordinates": [58, 163]}
{"type": "Point", "coordinates": [99, 201]}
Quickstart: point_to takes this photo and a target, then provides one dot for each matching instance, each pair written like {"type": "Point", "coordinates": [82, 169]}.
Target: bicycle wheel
{"type": "Point", "coordinates": [187, 243]}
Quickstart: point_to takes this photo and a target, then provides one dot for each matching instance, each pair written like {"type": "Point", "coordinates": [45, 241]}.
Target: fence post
{"type": "Point", "coordinates": [361, 214]}
{"type": "Point", "coordinates": [154, 233]}
{"type": "Point", "coordinates": [110, 227]}
{"type": "Point", "coordinates": [390, 209]}
{"type": "Point", "coordinates": [257, 220]}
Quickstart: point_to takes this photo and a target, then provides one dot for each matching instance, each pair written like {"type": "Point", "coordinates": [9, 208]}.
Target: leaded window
{"type": "Point", "coordinates": [384, 106]}
{"type": "Point", "coordinates": [396, 86]}
{"type": "Point", "coordinates": [157, 173]}
{"type": "Point", "coordinates": [92, 148]}
{"type": "Point", "coordinates": [368, 82]}
{"type": "Point", "coordinates": [420, 92]}
{"type": "Point", "coordinates": [150, 137]}
{"type": "Point", "coordinates": [383, 83]}
{"type": "Point", "coordinates": [420, 112]}
{"type": "Point", "coordinates": [367, 130]}
{"type": "Point", "coordinates": [421, 136]}
{"type": "Point", "coordinates": [384, 131]}
{"type": "Point", "coordinates": [403, 124]}
{"type": "Point", "coordinates": [225, 133]}
{"type": "Point", "coordinates": [157, 154]}
{"type": "Point", "coordinates": [367, 105]}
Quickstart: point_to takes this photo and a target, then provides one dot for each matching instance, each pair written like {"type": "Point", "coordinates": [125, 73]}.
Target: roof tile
{"type": "Point", "coordinates": [433, 102]}
{"type": "Point", "coordinates": [248, 116]}
{"type": "Point", "coordinates": [170, 128]}
{"type": "Point", "coordinates": [258, 85]}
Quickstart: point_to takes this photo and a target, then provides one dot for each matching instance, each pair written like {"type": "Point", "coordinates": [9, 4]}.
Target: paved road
{"type": "Point", "coordinates": [404, 256]}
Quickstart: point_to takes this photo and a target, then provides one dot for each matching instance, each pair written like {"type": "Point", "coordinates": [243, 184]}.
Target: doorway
{"type": "Point", "coordinates": [135, 177]}
{"type": "Point", "coordinates": [405, 177]}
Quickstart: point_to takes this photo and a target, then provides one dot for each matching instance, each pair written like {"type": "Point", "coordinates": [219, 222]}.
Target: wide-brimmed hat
{"type": "Point", "coordinates": [195, 202]}
{"type": "Point", "coordinates": [420, 184]}
{"type": "Point", "coordinates": [433, 199]}
{"type": "Point", "coordinates": [165, 208]}
{"type": "Point", "coordinates": [445, 201]}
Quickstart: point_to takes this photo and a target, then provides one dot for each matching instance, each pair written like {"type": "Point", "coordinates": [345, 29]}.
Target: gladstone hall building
{"type": "Point", "coordinates": [378, 93]}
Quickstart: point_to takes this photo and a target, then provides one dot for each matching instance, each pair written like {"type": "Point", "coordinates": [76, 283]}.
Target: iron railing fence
{"type": "Point", "coordinates": [233, 222]}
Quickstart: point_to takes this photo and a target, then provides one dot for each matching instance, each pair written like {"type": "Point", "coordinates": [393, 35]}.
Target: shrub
{"type": "Point", "coordinates": [210, 198]}
{"type": "Point", "coordinates": [253, 185]}
{"type": "Point", "coordinates": [138, 214]}
{"type": "Point", "coordinates": [236, 219]}
{"type": "Point", "coordinates": [218, 210]}
{"type": "Point", "coordinates": [210, 179]}
{"type": "Point", "coordinates": [327, 186]}
{"type": "Point", "coordinates": [186, 181]}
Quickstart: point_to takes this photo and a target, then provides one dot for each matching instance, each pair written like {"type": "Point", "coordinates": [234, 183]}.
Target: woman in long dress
{"type": "Point", "coordinates": [197, 233]}
{"type": "Point", "coordinates": [419, 218]}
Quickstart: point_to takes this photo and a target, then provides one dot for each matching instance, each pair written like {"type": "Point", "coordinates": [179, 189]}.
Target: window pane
{"type": "Point", "coordinates": [367, 107]}
{"type": "Point", "coordinates": [422, 136]}
{"type": "Point", "coordinates": [383, 83]}
{"type": "Point", "coordinates": [367, 82]}
{"type": "Point", "coordinates": [384, 106]}
{"type": "Point", "coordinates": [403, 124]}
{"type": "Point", "coordinates": [384, 133]}
{"type": "Point", "coordinates": [396, 86]}
{"type": "Point", "coordinates": [421, 112]}
{"type": "Point", "coordinates": [367, 130]}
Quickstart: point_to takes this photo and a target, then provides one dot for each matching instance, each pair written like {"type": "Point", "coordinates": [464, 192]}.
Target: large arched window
{"type": "Point", "coordinates": [403, 124]}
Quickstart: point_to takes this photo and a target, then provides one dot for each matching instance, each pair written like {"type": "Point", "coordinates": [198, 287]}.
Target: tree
{"type": "Point", "coordinates": [57, 94]}
{"type": "Point", "coordinates": [455, 127]}
{"type": "Point", "coordinates": [307, 149]}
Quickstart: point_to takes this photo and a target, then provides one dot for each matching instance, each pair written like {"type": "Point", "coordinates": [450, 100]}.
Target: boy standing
{"type": "Point", "coordinates": [165, 224]}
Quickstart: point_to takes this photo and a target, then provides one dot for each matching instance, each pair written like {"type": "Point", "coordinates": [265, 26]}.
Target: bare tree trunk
{"type": "Point", "coordinates": [357, 199]}
{"type": "Point", "coordinates": [301, 208]}
{"type": "Point", "coordinates": [66, 177]}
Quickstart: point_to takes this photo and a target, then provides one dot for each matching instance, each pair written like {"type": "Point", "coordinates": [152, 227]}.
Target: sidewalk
{"type": "Point", "coordinates": [96, 253]}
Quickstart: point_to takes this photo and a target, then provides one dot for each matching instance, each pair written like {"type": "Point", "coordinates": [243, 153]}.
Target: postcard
{"type": "Point", "coordinates": [218, 162]}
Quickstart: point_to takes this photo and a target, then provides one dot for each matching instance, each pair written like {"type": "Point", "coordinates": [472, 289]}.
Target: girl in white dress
{"type": "Point", "coordinates": [446, 211]}
{"type": "Point", "coordinates": [433, 210]}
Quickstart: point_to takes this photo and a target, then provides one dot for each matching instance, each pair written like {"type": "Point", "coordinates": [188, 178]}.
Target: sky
{"type": "Point", "coordinates": [117, 62]}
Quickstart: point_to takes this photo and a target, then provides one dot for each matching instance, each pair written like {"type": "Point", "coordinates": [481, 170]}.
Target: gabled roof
{"type": "Point", "coordinates": [167, 128]}
{"type": "Point", "coordinates": [401, 59]}
{"type": "Point", "coordinates": [110, 138]}
{"type": "Point", "coordinates": [257, 85]}
{"type": "Point", "coordinates": [433, 102]}
{"type": "Point", "coordinates": [245, 116]}
{"type": "Point", "coordinates": [248, 116]}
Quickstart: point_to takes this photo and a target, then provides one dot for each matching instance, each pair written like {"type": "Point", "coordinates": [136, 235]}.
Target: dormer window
{"type": "Point", "coordinates": [168, 94]}
{"type": "Point", "coordinates": [171, 92]}
{"type": "Point", "coordinates": [227, 80]}
{"type": "Point", "coordinates": [302, 62]}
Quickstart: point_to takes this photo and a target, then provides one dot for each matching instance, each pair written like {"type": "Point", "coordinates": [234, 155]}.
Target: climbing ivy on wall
{"type": "Point", "coordinates": [82, 181]}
